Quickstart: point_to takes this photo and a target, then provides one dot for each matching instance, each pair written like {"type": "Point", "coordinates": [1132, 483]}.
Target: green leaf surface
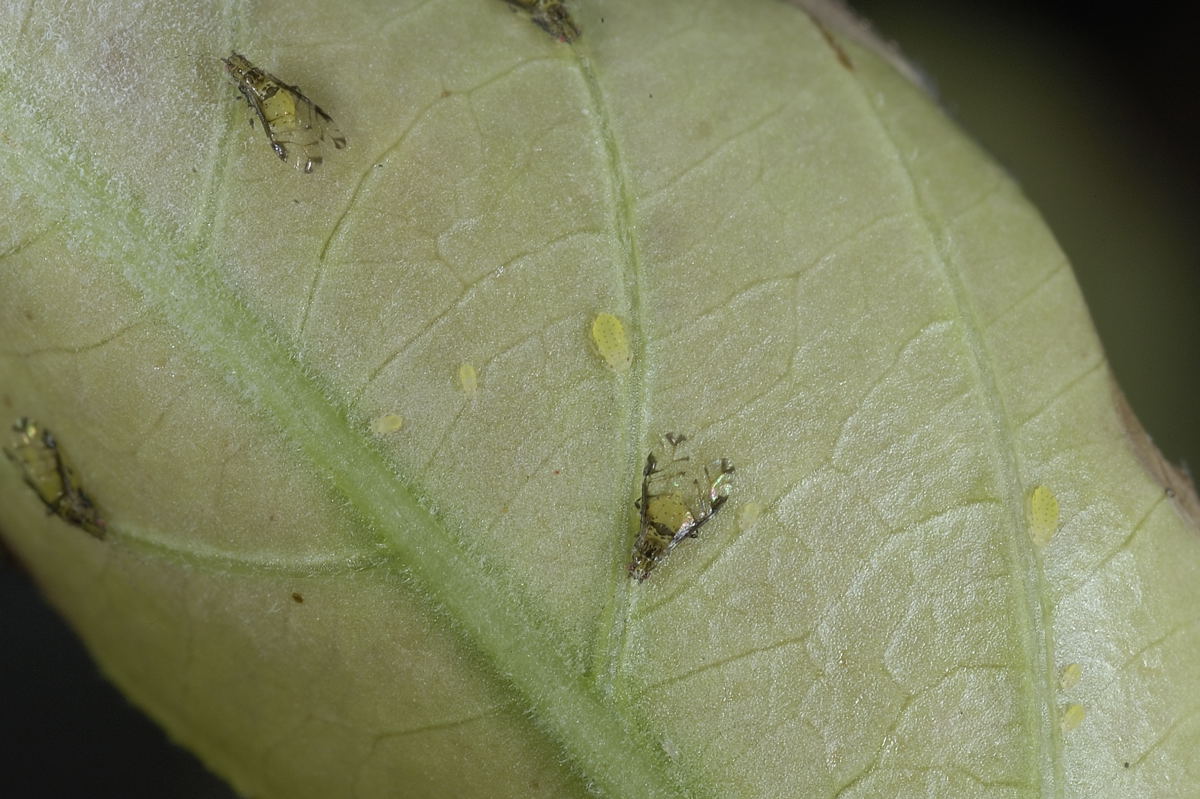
{"type": "Point", "coordinates": [822, 280]}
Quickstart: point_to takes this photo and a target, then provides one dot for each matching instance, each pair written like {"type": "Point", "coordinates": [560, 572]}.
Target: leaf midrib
{"type": "Point", "coordinates": [612, 630]}
{"type": "Point", "coordinates": [178, 280]}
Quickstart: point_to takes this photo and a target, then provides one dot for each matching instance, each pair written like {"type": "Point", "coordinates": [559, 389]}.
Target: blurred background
{"type": "Point", "coordinates": [1096, 114]}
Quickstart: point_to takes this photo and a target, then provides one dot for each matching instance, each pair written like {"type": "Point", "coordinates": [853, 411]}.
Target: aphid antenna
{"type": "Point", "coordinates": [674, 439]}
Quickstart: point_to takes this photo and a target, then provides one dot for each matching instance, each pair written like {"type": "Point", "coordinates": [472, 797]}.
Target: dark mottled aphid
{"type": "Point", "coordinates": [551, 16]}
{"type": "Point", "coordinates": [45, 468]}
{"type": "Point", "coordinates": [677, 498]}
{"type": "Point", "coordinates": [295, 126]}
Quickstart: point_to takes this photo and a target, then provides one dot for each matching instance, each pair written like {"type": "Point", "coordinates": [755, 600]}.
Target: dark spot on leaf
{"type": "Point", "coordinates": [1126, 764]}
{"type": "Point", "coordinates": [297, 597]}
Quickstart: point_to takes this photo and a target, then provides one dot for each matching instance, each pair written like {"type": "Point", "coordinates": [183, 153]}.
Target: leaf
{"type": "Point", "coordinates": [819, 278]}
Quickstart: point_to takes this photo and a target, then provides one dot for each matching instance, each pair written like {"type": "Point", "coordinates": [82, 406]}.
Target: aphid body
{"type": "Point", "coordinates": [295, 126]}
{"type": "Point", "coordinates": [677, 498]}
{"type": "Point", "coordinates": [551, 16]}
{"type": "Point", "coordinates": [1070, 676]}
{"type": "Point", "coordinates": [611, 342]}
{"type": "Point", "coordinates": [468, 378]}
{"type": "Point", "coordinates": [36, 451]}
{"type": "Point", "coordinates": [388, 423]}
{"type": "Point", "coordinates": [1043, 515]}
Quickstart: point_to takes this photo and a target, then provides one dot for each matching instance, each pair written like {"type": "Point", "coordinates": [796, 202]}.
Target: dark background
{"type": "Point", "coordinates": [1094, 111]}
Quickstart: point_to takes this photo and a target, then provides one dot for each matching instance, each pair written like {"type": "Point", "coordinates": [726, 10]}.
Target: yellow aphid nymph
{"type": "Point", "coordinates": [468, 378]}
{"type": "Point", "coordinates": [1072, 716]}
{"type": "Point", "coordinates": [1043, 515]}
{"type": "Point", "coordinates": [611, 342]}
{"type": "Point", "coordinates": [388, 423]}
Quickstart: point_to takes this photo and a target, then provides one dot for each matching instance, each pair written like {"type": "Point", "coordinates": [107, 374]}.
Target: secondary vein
{"type": "Point", "coordinates": [1036, 624]}
{"type": "Point", "coordinates": [613, 629]}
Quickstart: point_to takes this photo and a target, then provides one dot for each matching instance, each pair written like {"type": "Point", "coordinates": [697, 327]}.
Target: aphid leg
{"type": "Point", "coordinates": [249, 98]}
{"type": "Point", "coordinates": [279, 149]}
{"type": "Point", "coordinates": [642, 502]}
{"type": "Point", "coordinates": [694, 531]}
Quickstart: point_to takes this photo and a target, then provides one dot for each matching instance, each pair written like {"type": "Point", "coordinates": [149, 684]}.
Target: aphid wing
{"type": "Point", "coordinates": [47, 472]}
{"type": "Point", "coordinates": [330, 131]}
{"type": "Point", "coordinates": [294, 128]}
{"type": "Point", "coordinates": [302, 132]}
{"type": "Point", "coordinates": [305, 157]}
{"type": "Point", "coordinates": [70, 481]}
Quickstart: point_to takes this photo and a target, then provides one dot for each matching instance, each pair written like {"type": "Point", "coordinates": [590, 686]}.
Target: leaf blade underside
{"type": "Point", "coordinates": [824, 282]}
